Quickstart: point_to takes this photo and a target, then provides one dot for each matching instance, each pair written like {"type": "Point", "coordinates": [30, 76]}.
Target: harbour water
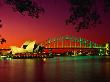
{"type": "Point", "coordinates": [57, 69]}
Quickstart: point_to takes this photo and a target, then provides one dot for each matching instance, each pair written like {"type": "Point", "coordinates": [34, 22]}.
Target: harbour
{"type": "Point", "coordinates": [61, 69]}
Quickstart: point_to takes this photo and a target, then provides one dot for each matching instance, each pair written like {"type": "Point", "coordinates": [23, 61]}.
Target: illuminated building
{"type": "Point", "coordinates": [27, 47]}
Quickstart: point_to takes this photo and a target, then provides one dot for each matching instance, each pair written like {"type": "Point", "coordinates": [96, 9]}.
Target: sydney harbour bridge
{"type": "Point", "coordinates": [73, 44]}
{"type": "Point", "coordinates": [69, 42]}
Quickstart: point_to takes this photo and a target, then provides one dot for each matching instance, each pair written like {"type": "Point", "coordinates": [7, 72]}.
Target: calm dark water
{"type": "Point", "coordinates": [58, 69]}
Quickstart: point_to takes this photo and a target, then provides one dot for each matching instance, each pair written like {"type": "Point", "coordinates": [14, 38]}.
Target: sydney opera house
{"type": "Point", "coordinates": [27, 47]}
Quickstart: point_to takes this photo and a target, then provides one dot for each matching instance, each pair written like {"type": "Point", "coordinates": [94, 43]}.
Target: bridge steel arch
{"type": "Point", "coordinates": [69, 41]}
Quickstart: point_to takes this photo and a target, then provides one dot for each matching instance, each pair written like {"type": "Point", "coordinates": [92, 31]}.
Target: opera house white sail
{"type": "Point", "coordinates": [25, 44]}
{"type": "Point", "coordinates": [28, 46]}
{"type": "Point", "coordinates": [16, 50]}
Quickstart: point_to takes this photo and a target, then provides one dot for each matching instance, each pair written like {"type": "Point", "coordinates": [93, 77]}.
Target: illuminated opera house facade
{"type": "Point", "coordinates": [27, 47]}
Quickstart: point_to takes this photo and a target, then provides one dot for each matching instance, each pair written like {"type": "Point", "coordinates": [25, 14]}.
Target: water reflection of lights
{"type": "Point", "coordinates": [44, 59]}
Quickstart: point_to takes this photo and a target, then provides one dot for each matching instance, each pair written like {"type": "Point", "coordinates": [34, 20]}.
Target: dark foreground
{"type": "Point", "coordinates": [57, 69]}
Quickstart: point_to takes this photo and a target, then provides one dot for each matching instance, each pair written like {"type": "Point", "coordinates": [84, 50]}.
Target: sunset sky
{"type": "Point", "coordinates": [18, 28]}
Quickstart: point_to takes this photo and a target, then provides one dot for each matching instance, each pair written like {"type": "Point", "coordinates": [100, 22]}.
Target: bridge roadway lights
{"type": "Point", "coordinates": [75, 51]}
{"type": "Point", "coordinates": [69, 42]}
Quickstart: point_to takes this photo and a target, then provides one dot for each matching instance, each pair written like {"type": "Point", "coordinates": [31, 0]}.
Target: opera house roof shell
{"type": "Point", "coordinates": [28, 46]}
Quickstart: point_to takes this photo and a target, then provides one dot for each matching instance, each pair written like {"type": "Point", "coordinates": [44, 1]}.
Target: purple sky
{"type": "Point", "coordinates": [17, 28]}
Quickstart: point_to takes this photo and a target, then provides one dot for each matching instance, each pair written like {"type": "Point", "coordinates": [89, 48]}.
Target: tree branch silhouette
{"type": "Point", "coordinates": [106, 5]}
{"type": "Point", "coordinates": [29, 7]}
{"type": "Point", "coordinates": [84, 13]}
{"type": "Point", "coordinates": [2, 40]}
